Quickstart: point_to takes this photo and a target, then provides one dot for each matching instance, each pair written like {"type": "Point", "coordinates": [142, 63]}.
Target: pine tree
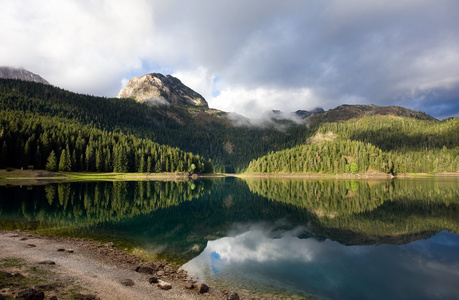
{"type": "Point", "coordinates": [51, 165]}
{"type": "Point", "coordinates": [64, 162]}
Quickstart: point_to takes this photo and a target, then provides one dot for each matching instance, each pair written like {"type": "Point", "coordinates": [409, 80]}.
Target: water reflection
{"type": "Point", "coordinates": [427, 269]}
{"type": "Point", "coordinates": [86, 204]}
{"type": "Point", "coordinates": [283, 234]}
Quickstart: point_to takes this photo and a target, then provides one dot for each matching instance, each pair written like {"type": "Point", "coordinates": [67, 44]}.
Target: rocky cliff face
{"type": "Point", "coordinates": [157, 88]}
{"type": "Point", "coordinates": [14, 73]}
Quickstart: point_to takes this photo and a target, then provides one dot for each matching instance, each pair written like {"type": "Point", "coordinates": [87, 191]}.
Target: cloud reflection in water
{"type": "Point", "coordinates": [263, 257]}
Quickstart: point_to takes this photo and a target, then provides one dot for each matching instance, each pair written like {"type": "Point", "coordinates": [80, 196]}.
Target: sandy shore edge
{"type": "Point", "coordinates": [101, 270]}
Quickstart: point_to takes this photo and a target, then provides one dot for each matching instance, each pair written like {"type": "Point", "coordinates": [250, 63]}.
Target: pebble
{"type": "Point", "coordinates": [144, 269]}
{"type": "Point", "coordinates": [47, 262]}
{"type": "Point", "coordinates": [127, 282]}
{"type": "Point", "coordinates": [153, 279]}
{"type": "Point", "coordinates": [203, 288]}
{"type": "Point", "coordinates": [164, 285]}
{"type": "Point", "coordinates": [189, 286]}
{"type": "Point", "coordinates": [232, 296]}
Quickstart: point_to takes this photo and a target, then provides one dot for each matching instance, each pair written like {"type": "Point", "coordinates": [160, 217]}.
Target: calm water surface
{"type": "Point", "coordinates": [331, 239]}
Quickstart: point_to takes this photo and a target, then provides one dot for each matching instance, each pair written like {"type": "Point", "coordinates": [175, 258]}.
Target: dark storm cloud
{"type": "Point", "coordinates": [248, 56]}
{"type": "Point", "coordinates": [400, 53]}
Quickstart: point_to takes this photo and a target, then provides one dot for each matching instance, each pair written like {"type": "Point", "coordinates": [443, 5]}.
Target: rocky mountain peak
{"type": "Point", "coordinates": [21, 74]}
{"type": "Point", "coordinates": [160, 89]}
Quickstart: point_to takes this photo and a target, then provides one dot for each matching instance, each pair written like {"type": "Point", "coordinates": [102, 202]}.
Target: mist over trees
{"type": "Point", "coordinates": [51, 128]}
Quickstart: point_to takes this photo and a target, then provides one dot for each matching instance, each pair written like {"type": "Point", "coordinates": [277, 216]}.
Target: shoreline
{"type": "Point", "coordinates": [344, 176]}
{"type": "Point", "coordinates": [86, 267]}
{"type": "Point", "coordinates": [41, 177]}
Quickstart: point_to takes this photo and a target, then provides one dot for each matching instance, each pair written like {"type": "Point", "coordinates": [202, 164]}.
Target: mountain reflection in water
{"type": "Point", "coordinates": [298, 236]}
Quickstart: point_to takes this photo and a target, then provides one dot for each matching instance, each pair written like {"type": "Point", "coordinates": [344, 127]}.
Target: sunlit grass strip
{"type": "Point", "coordinates": [88, 176]}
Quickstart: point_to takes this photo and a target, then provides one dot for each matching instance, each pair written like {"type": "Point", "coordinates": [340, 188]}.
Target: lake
{"type": "Point", "coordinates": [297, 238]}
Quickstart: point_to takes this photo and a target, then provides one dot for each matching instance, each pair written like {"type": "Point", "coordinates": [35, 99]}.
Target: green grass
{"type": "Point", "coordinates": [88, 176]}
{"type": "Point", "coordinates": [11, 262]}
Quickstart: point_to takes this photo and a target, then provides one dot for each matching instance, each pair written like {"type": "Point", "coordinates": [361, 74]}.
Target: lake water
{"type": "Point", "coordinates": [298, 238]}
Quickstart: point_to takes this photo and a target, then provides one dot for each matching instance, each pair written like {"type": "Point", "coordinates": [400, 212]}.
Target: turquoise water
{"type": "Point", "coordinates": [333, 239]}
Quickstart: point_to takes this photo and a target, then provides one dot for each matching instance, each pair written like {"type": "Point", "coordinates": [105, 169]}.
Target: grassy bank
{"type": "Point", "coordinates": [37, 177]}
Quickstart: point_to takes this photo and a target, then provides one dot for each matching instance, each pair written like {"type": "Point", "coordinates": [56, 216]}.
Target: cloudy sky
{"type": "Point", "coordinates": [246, 56]}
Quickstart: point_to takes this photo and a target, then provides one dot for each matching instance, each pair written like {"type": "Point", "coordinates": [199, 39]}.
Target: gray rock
{"type": "Point", "coordinates": [47, 262]}
{"type": "Point", "coordinates": [160, 273]}
{"type": "Point", "coordinates": [232, 296]}
{"type": "Point", "coordinates": [144, 269]}
{"type": "Point", "coordinates": [156, 265]}
{"type": "Point", "coordinates": [14, 73]}
{"type": "Point", "coordinates": [189, 286]}
{"type": "Point", "coordinates": [203, 288]}
{"type": "Point", "coordinates": [164, 285]}
{"type": "Point", "coordinates": [86, 297]}
{"type": "Point", "coordinates": [127, 282]}
{"type": "Point", "coordinates": [110, 245]}
{"type": "Point", "coordinates": [159, 89]}
{"type": "Point", "coordinates": [30, 294]}
{"type": "Point", "coordinates": [153, 279]}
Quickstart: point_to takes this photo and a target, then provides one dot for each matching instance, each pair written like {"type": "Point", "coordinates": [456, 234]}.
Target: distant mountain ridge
{"type": "Point", "coordinates": [21, 74]}
{"type": "Point", "coordinates": [200, 130]}
{"type": "Point", "coordinates": [160, 89]}
{"type": "Point", "coordinates": [346, 112]}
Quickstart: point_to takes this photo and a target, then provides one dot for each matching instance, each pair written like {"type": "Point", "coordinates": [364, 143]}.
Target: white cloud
{"type": "Point", "coordinates": [80, 45]}
{"type": "Point", "coordinates": [254, 103]}
{"type": "Point", "coordinates": [259, 55]}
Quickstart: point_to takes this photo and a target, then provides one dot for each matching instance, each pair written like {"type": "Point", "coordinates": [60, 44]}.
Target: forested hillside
{"type": "Point", "coordinates": [56, 144]}
{"type": "Point", "coordinates": [365, 138]}
{"type": "Point", "coordinates": [196, 130]}
{"type": "Point", "coordinates": [385, 144]}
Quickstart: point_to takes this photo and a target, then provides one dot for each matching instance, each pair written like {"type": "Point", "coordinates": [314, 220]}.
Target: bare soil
{"type": "Point", "coordinates": [68, 268]}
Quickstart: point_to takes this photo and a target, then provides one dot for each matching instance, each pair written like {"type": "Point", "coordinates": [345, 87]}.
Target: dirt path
{"type": "Point", "coordinates": [100, 270]}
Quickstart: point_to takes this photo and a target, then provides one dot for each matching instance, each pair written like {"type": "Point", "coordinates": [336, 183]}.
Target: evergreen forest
{"type": "Point", "coordinates": [374, 144]}
{"type": "Point", "coordinates": [51, 128]}
{"type": "Point", "coordinates": [195, 130]}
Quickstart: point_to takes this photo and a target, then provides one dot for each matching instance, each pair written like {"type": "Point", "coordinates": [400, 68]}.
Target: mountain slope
{"type": "Point", "coordinates": [346, 112]}
{"type": "Point", "coordinates": [202, 131]}
{"type": "Point", "coordinates": [386, 144]}
{"type": "Point", "coordinates": [21, 74]}
{"type": "Point", "coordinates": [159, 89]}
{"type": "Point", "coordinates": [212, 133]}
{"type": "Point", "coordinates": [61, 144]}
